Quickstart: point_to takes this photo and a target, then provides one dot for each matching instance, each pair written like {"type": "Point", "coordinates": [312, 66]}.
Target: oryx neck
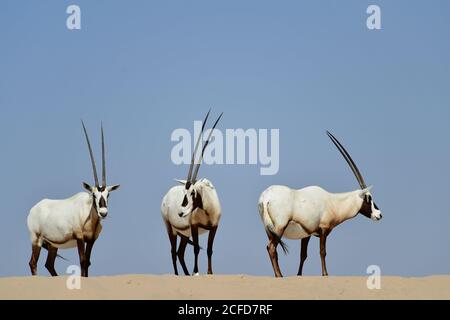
{"type": "Point", "coordinates": [346, 205]}
{"type": "Point", "coordinates": [93, 213]}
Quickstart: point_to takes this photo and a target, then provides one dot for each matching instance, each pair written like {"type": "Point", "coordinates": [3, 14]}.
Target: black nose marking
{"type": "Point", "coordinates": [102, 203]}
{"type": "Point", "coordinates": [180, 214]}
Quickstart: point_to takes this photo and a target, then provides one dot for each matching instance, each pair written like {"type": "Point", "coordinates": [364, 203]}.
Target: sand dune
{"type": "Point", "coordinates": [225, 287]}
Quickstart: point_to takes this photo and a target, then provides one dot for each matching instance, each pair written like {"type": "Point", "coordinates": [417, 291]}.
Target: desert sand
{"type": "Point", "coordinates": [226, 287]}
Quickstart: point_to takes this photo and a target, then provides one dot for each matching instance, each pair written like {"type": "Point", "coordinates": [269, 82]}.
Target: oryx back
{"type": "Point", "coordinates": [295, 214]}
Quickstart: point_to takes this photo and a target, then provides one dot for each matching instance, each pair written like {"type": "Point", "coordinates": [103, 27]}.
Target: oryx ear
{"type": "Point", "coordinates": [365, 191]}
{"type": "Point", "coordinates": [87, 187]}
{"type": "Point", "coordinates": [183, 182]}
{"type": "Point", "coordinates": [113, 188]}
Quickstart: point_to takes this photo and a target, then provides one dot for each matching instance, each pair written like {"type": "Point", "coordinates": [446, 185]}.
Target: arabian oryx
{"type": "Point", "coordinates": [192, 209]}
{"type": "Point", "coordinates": [70, 223]}
{"type": "Point", "coordinates": [298, 214]}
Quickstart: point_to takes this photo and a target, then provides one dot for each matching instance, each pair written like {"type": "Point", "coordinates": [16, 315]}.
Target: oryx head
{"type": "Point", "coordinates": [100, 193]}
{"type": "Point", "coordinates": [368, 207]}
{"type": "Point", "coordinates": [192, 199]}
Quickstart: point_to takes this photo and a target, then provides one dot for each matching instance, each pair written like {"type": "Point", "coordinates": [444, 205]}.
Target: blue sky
{"type": "Point", "coordinates": [145, 68]}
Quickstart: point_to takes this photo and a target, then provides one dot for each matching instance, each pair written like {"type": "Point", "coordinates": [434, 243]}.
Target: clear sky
{"type": "Point", "coordinates": [148, 67]}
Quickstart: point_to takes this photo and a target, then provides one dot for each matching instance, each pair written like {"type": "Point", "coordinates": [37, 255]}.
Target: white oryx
{"type": "Point", "coordinates": [70, 223]}
{"type": "Point", "coordinates": [192, 209]}
{"type": "Point", "coordinates": [298, 214]}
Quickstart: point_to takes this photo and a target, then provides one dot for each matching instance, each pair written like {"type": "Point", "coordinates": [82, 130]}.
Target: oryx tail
{"type": "Point", "coordinates": [264, 211]}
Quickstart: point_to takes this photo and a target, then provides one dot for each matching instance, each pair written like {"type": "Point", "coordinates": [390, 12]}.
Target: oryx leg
{"type": "Point", "coordinates": [323, 250]}
{"type": "Point", "coordinates": [35, 251]}
{"type": "Point", "coordinates": [303, 254]}
{"type": "Point", "coordinates": [173, 247]}
{"type": "Point", "coordinates": [180, 253]}
{"type": "Point", "coordinates": [82, 255]}
{"type": "Point", "coordinates": [272, 250]}
{"type": "Point", "coordinates": [194, 230]}
{"type": "Point", "coordinates": [211, 236]}
{"type": "Point", "coordinates": [51, 257]}
{"type": "Point", "coordinates": [89, 246]}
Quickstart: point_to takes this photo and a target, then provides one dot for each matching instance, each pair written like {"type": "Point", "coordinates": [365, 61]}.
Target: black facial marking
{"type": "Point", "coordinates": [185, 202]}
{"type": "Point", "coordinates": [370, 200]}
{"type": "Point", "coordinates": [188, 185]}
{"type": "Point", "coordinates": [198, 202]}
{"type": "Point", "coordinates": [366, 208]}
{"type": "Point", "coordinates": [102, 203]}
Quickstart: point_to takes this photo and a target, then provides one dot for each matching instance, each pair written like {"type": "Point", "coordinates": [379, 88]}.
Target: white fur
{"type": "Point", "coordinates": [308, 210]}
{"type": "Point", "coordinates": [171, 207]}
{"type": "Point", "coordinates": [62, 222]}
{"type": "Point", "coordinates": [56, 221]}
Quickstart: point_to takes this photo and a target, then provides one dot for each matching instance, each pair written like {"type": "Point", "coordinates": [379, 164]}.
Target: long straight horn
{"type": "Point", "coordinates": [349, 160]}
{"type": "Point", "coordinates": [196, 148]}
{"type": "Point", "coordinates": [94, 167]}
{"type": "Point", "coordinates": [204, 148]}
{"type": "Point", "coordinates": [103, 160]}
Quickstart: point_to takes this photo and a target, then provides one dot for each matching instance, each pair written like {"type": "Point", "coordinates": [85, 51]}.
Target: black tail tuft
{"type": "Point", "coordinates": [283, 244]}
{"type": "Point", "coordinates": [45, 246]}
{"type": "Point", "coordinates": [62, 258]}
{"type": "Point", "coordinates": [188, 240]}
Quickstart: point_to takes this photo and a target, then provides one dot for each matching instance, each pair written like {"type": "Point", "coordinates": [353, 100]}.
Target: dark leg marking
{"type": "Point", "coordinates": [272, 249]}
{"type": "Point", "coordinates": [50, 262]}
{"type": "Point", "coordinates": [173, 247]}
{"type": "Point", "coordinates": [180, 253]}
{"type": "Point", "coordinates": [273, 254]}
{"type": "Point", "coordinates": [82, 255]}
{"type": "Point", "coordinates": [35, 251]}
{"type": "Point", "coordinates": [194, 230]}
{"type": "Point", "coordinates": [211, 236]}
{"type": "Point", "coordinates": [303, 254]}
{"type": "Point", "coordinates": [274, 240]}
{"type": "Point", "coordinates": [89, 246]}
